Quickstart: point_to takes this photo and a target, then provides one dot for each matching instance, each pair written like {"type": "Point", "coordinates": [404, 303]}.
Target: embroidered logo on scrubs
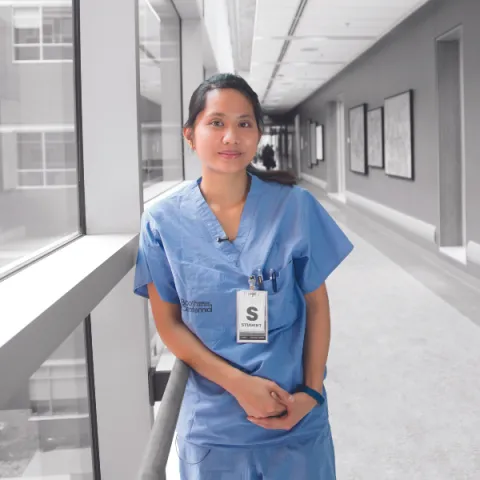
{"type": "Point", "coordinates": [196, 307]}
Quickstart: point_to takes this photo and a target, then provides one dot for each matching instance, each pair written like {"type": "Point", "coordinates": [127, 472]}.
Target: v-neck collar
{"type": "Point", "coordinates": [232, 249]}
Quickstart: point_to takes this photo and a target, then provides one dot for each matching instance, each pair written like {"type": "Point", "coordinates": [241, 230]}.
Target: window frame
{"type": "Point", "coordinates": [45, 170]}
{"type": "Point", "coordinates": [23, 263]}
{"type": "Point", "coordinates": [41, 44]}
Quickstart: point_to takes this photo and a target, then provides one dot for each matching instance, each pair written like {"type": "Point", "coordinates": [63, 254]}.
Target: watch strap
{"type": "Point", "coordinates": [318, 397]}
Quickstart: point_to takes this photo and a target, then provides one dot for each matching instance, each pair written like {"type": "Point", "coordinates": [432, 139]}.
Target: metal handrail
{"type": "Point", "coordinates": [155, 459]}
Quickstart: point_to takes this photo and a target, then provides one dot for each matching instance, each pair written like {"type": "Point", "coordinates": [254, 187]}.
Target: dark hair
{"type": "Point", "coordinates": [228, 80]}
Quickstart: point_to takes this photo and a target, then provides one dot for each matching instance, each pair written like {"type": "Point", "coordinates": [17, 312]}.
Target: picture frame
{"type": "Point", "coordinates": [375, 138]}
{"type": "Point", "coordinates": [298, 143]}
{"type": "Point", "coordinates": [320, 142]}
{"type": "Point", "coordinates": [399, 139]}
{"type": "Point", "coordinates": [358, 139]}
{"type": "Point", "coordinates": [290, 150]}
{"type": "Point", "coordinates": [313, 142]}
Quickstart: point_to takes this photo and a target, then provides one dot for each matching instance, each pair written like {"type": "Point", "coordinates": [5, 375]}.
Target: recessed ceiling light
{"type": "Point", "coordinates": [309, 49]}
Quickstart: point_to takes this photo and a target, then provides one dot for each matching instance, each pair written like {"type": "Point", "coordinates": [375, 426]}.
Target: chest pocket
{"type": "Point", "coordinates": [282, 296]}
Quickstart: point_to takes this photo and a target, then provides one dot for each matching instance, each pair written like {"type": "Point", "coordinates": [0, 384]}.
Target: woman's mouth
{"type": "Point", "coordinates": [230, 154]}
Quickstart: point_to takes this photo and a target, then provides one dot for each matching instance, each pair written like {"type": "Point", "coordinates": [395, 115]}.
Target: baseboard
{"type": "Point", "coordinates": [473, 253]}
{"type": "Point", "coordinates": [338, 197]}
{"type": "Point", "coordinates": [314, 180]}
{"type": "Point", "coordinates": [418, 228]}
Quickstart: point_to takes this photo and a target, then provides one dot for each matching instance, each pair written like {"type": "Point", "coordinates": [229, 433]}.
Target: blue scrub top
{"type": "Point", "coordinates": [282, 228]}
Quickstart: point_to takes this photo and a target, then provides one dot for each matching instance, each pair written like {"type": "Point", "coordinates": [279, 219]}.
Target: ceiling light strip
{"type": "Point", "coordinates": [286, 44]}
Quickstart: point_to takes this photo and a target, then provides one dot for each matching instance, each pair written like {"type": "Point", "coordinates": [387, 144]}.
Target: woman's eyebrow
{"type": "Point", "coordinates": [215, 114]}
{"type": "Point", "coordinates": [219, 114]}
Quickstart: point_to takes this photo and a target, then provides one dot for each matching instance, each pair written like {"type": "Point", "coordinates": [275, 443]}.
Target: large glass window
{"type": "Point", "coordinates": [46, 428]}
{"type": "Point", "coordinates": [42, 34]}
{"type": "Point", "coordinates": [160, 95]}
{"type": "Point", "coordinates": [47, 160]}
{"type": "Point", "coordinates": [39, 207]}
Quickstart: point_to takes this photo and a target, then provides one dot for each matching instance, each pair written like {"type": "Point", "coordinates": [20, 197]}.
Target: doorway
{"type": "Point", "coordinates": [452, 221]}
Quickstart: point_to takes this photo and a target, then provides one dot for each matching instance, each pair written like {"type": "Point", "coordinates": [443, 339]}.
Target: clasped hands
{"type": "Point", "coordinates": [269, 406]}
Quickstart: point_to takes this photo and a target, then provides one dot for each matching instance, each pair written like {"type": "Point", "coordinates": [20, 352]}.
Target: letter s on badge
{"type": "Point", "coordinates": [252, 314]}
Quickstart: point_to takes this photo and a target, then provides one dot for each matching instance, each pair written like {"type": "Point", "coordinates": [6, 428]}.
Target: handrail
{"type": "Point", "coordinates": [155, 458]}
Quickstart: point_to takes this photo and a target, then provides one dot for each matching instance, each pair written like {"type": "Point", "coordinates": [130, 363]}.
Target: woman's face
{"type": "Point", "coordinates": [225, 135]}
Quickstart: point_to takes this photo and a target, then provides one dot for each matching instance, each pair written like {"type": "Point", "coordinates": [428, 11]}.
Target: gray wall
{"type": "Point", "coordinates": [405, 59]}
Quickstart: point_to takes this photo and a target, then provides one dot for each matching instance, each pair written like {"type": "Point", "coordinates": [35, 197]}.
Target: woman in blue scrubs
{"type": "Point", "coordinates": [234, 265]}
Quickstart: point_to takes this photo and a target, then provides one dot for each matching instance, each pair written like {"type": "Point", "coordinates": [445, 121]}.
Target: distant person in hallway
{"type": "Point", "coordinates": [212, 257]}
{"type": "Point", "coordinates": [268, 157]}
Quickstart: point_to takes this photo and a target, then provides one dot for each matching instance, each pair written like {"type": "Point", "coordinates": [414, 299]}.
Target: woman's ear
{"type": "Point", "coordinates": [188, 135]}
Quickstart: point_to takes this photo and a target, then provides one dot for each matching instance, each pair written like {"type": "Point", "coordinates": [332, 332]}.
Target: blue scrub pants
{"type": "Point", "coordinates": [312, 459]}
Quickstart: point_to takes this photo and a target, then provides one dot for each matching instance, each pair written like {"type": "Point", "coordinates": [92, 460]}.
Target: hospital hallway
{"type": "Point", "coordinates": [371, 105]}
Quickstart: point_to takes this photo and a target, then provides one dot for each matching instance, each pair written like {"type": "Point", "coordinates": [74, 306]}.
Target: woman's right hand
{"type": "Point", "coordinates": [256, 396]}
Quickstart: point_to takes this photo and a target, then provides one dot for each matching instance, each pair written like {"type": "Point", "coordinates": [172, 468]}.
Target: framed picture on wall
{"type": "Point", "coordinates": [399, 135]}
{"type": "Point", "coordinates": [320, 143]}
{"type": "Point", "coordinates": [375, 138]}
{"type": "Point", "coordinates": [298, 144]}
{"type": "Point", "coordinates": [313, 142]}
{"type": "Point", "coordinates": [290, 150]}
{"type": "Point", "coordinates": [358, 139]}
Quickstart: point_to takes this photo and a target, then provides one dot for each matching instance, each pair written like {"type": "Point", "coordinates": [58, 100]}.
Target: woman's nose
{"type": "Point", "coordinates": [230, 136]}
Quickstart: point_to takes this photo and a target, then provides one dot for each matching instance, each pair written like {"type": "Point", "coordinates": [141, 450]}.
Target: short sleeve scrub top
{"type": "Point", "coordinates": [283, 229]}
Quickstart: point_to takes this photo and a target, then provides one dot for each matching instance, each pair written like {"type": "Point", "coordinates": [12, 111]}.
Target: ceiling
{"type": "Point", "coordinates": [241, 17]}
{"type": "Point", "coordinates": [299, 45]}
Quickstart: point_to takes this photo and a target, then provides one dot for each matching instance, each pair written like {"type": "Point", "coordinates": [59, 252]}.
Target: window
{"type": "Point", "coordinates": [47, 160]}
{"type": "Point", "coordinates": [42, 34]}
{"type": "Point", "coordinates": [39, 194]}
{"type": "Point", "coordinates": [46, 426]}
{"type": "Point", "coordinates": [160, 95]}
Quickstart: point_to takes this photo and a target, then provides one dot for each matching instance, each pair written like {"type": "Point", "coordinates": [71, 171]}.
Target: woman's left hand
{"type": "Point", "coordinates": [295, 411]}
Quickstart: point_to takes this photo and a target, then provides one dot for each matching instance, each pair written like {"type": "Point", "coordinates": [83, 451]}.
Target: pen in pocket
{"type": "Point", "coordinates": [260, 279]}
{"type": "Point", "coordinates": [273, 278]}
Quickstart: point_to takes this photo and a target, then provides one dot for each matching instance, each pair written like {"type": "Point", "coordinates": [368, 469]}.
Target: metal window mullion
{"type": "Point", "coordinates": [90, 372]}
{"type": "Point", "coordinates": [110, 70]}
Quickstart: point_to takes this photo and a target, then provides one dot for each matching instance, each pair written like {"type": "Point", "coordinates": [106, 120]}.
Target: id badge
{"type": "Point", "coordinates": [252, 316]}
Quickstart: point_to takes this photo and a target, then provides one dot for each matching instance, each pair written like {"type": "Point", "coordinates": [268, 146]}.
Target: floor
{"type": "Point", "coordinates": [404, 383]}
{"type": "Point", "coordinates": [404, 360]}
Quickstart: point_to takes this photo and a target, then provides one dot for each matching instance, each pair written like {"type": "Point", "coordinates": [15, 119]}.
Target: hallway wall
{"type": "Point", "coordinates": [405, 59]}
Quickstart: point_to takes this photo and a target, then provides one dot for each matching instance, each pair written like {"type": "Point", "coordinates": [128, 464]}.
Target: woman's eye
{"type": "Point", "coordinates": [245, 124]}
{"type": "Point", "coordinates": [216, 123]}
